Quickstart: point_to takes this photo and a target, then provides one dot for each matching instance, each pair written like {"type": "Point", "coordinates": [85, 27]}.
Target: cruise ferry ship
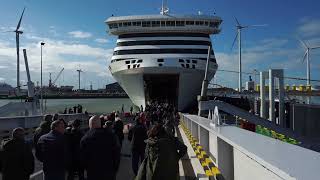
{"type": "Point", "coordinates": [163, 57]}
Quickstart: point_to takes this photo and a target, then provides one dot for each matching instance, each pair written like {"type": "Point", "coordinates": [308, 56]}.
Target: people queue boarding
{"type": "Point", "coordinates": [66, 151]}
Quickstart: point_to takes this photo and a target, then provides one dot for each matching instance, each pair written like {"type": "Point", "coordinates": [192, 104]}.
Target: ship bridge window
{"type": "Point", "coordinates": [201, 23]}
{"type": "Point", "coordinates": [206, 23]}
{"type": "Point", "coordinates": [163, 42]}
{"type": "Point", "coordinates": [160, 60]}
{"type": "Point", "coordinates": [194, 61]}
{"type": "Point", "coordinates": [161, 51]}
{"type": "Point", "coordinates": [197, 22]}
{"type": "Point", "coordinates": [113, 25]}
{"type": "Point", "coordinates": [189, 22]}
{"type": "Point", "coordinates": [179, 23]}
{"type": "Point", "coordinates": [213, 24]}
{"type": "Point", "coordinates": [145, 23]}
{"type": "Point", "coordinates": [170, 23]}
{"type": "Point", "coordinates": [167, 34]}
{"type": "Point", "coordinates": [181, 60]}
{"type": "Point", "coordinates": [133, 61]}
{"type": "Point", "coordinates": [155, 23]}
{"type": "Point", "coordinates": [126, 24]}
{"type": "Point", "coordinates": [120, 24]}
{"type": "Point", "coordinates": [163, 23]}
{"type": "Point", "coordinates": [127, 62]}
{"type": "Point", "coordinates": [136, 23]}
{"type": "Point", "coordinates": [139, 61]}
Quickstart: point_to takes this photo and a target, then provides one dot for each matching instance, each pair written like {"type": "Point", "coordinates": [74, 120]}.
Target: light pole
{"type": "Point", "coordinates": [41, 91]}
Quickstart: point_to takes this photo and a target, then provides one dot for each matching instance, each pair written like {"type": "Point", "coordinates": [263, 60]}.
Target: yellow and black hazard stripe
{"type": "Point", "coordinates": [210, 169]}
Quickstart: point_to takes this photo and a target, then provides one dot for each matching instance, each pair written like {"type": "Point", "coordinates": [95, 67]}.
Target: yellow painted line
{"type": "Point", "coordinates": [207, 164]}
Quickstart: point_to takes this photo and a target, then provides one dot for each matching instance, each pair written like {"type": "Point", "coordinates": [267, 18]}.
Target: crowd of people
{"type": "Point", "coordinates": [66, 150]}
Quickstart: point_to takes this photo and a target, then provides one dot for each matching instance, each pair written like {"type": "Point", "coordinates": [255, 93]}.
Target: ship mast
{"type": "Point", "coordinates": [164, 8]}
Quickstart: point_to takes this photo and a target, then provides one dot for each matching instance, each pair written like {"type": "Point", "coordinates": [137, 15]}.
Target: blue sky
{"type": "Point", "coordinates": [75, 36]}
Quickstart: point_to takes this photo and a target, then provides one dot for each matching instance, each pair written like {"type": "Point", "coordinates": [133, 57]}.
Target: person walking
{"type": "Point", "coordinates": [17, 160]}
{"type": "Point", "coordinates": [137, 134]}
{"type": "Point", "coordinates": [53, 152]}
{"type": "Point", "coordinates": [163, 152]}
{"type": "Point", "coordinates": [131, 110]}
{"type": "Point", "coordinates": [43, 128]}
{"type": "Point", "coordinates": [73, 139]}
{"type": "Point", "coordinates": [118, 129]}
{"type": "Point", "coordinates": [100, 152]}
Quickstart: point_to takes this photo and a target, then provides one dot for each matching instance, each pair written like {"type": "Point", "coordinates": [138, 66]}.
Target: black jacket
{"type": "Point", "coordinates": [53, 152]}
{"type": "Point", "coordinates": [118, 129]}
{"type": "Point", "coordinates": [73, 144]}
{"type": "Point", "coordinates": [100, 154]}
{"type": "Point", "coordinates": [17, 160]}
{"type": "Point", "coordinates": [137, 135]}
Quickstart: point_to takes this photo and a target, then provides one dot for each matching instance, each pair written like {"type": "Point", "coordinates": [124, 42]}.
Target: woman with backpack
{"type": "Point", "coordinates": [162, 155]}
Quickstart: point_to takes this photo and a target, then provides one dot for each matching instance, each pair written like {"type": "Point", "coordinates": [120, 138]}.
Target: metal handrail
{"type": "Point", "coordinates": [37, 175]}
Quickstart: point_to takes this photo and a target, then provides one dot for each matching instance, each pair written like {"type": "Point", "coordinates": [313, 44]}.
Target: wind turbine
{"type": "Point", "coordinates": [238, 35]}
{"type": "Point", "coordinates": [18, 32]}
{"type": "Point", "coordinates": [308, 48]}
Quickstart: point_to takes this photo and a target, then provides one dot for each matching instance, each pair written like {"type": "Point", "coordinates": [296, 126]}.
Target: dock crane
{"type": "Point", "coordinates": [52, 83]}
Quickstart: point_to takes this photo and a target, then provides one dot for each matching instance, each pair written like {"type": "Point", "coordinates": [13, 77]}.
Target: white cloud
{"type": "Point", "coordinates": [80, 34]}
{"type": "Point", "coordinates": [2, 79]}
{"type": "Point", "coordinates": [309, 27]}
{"type": "Point", "coordinates": [56, 54]}
{"type": "Point", "coordinates": [101, 40]}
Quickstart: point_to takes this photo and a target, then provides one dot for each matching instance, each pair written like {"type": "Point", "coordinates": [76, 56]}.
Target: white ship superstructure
{"type": "Point", "coordinates": [162, 57]}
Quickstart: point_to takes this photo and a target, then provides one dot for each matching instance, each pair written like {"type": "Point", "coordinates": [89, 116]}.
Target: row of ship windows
{"type": "Point", "coordinates": [167, 34]}
{"type": "Point", "coordinates": [164, 42]}
{"type": "Point", "coordinates": [162, 60]}
{"type": "Point", "coordinates": [164, 23]}
{"type": "Point", "coordinates": [162, 51]}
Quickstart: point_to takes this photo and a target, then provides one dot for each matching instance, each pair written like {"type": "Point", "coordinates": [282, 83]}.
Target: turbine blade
{"type": "Point", "coordinates": [303, 43]}
{"type": "Point", "coordinates": [6, 31]}
{"type": "Point", "coordinates": [315, 47]}
{"type": "Point", "coordinates": [237, 21]}
{"type": "Point", "coordinates": [19, 23]}
{"type": "Point", "coordinates": [234, 41]}
{"type": "Point", "coordinates": [304, 56]}
{"type": "Point", "coordinates": [258, 25]}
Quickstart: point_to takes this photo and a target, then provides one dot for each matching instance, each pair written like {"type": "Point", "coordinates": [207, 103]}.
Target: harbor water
{"type": "Point", "coordinates": [96, 105]}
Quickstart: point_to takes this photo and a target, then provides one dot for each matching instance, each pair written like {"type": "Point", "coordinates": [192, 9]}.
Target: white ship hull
{"type": "Point", "coordinates": [163, 58]}
{"type": "Point", "coordinates": [188, 81]}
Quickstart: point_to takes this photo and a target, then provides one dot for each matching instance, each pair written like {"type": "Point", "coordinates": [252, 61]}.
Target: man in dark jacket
{"type": "Point", "coordinates": [17, 158]}
{"type": "Point", "coordinates": [100, 152]}
{"type": "Point", "coordinates": [118, 129]}
{"type": "Point", "coordinates": [43, 128]}
{"type": "Point", "coordinates": [137, 135]}
{"type": "Point", "coordinates": [73, 139]}
{"type": "Point", "coordinates": [53, 152]}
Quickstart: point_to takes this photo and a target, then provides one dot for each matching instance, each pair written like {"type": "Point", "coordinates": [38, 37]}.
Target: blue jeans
{"type": "Point", "coordinates": [137, 156]}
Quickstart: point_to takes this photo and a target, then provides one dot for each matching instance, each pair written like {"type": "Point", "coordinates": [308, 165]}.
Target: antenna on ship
{"type": "Point", "coordinates": [164, 8]}
{"type": "Point", "coordinates": [306, 54]}
{"type": "Point", "coordinates": [238, 35]}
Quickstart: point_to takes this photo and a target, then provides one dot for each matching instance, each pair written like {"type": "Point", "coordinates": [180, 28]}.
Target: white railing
{"type": "Point", "coordinates": [242, 154]}
{"type": "Point", "coordinates": [37, 175]}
